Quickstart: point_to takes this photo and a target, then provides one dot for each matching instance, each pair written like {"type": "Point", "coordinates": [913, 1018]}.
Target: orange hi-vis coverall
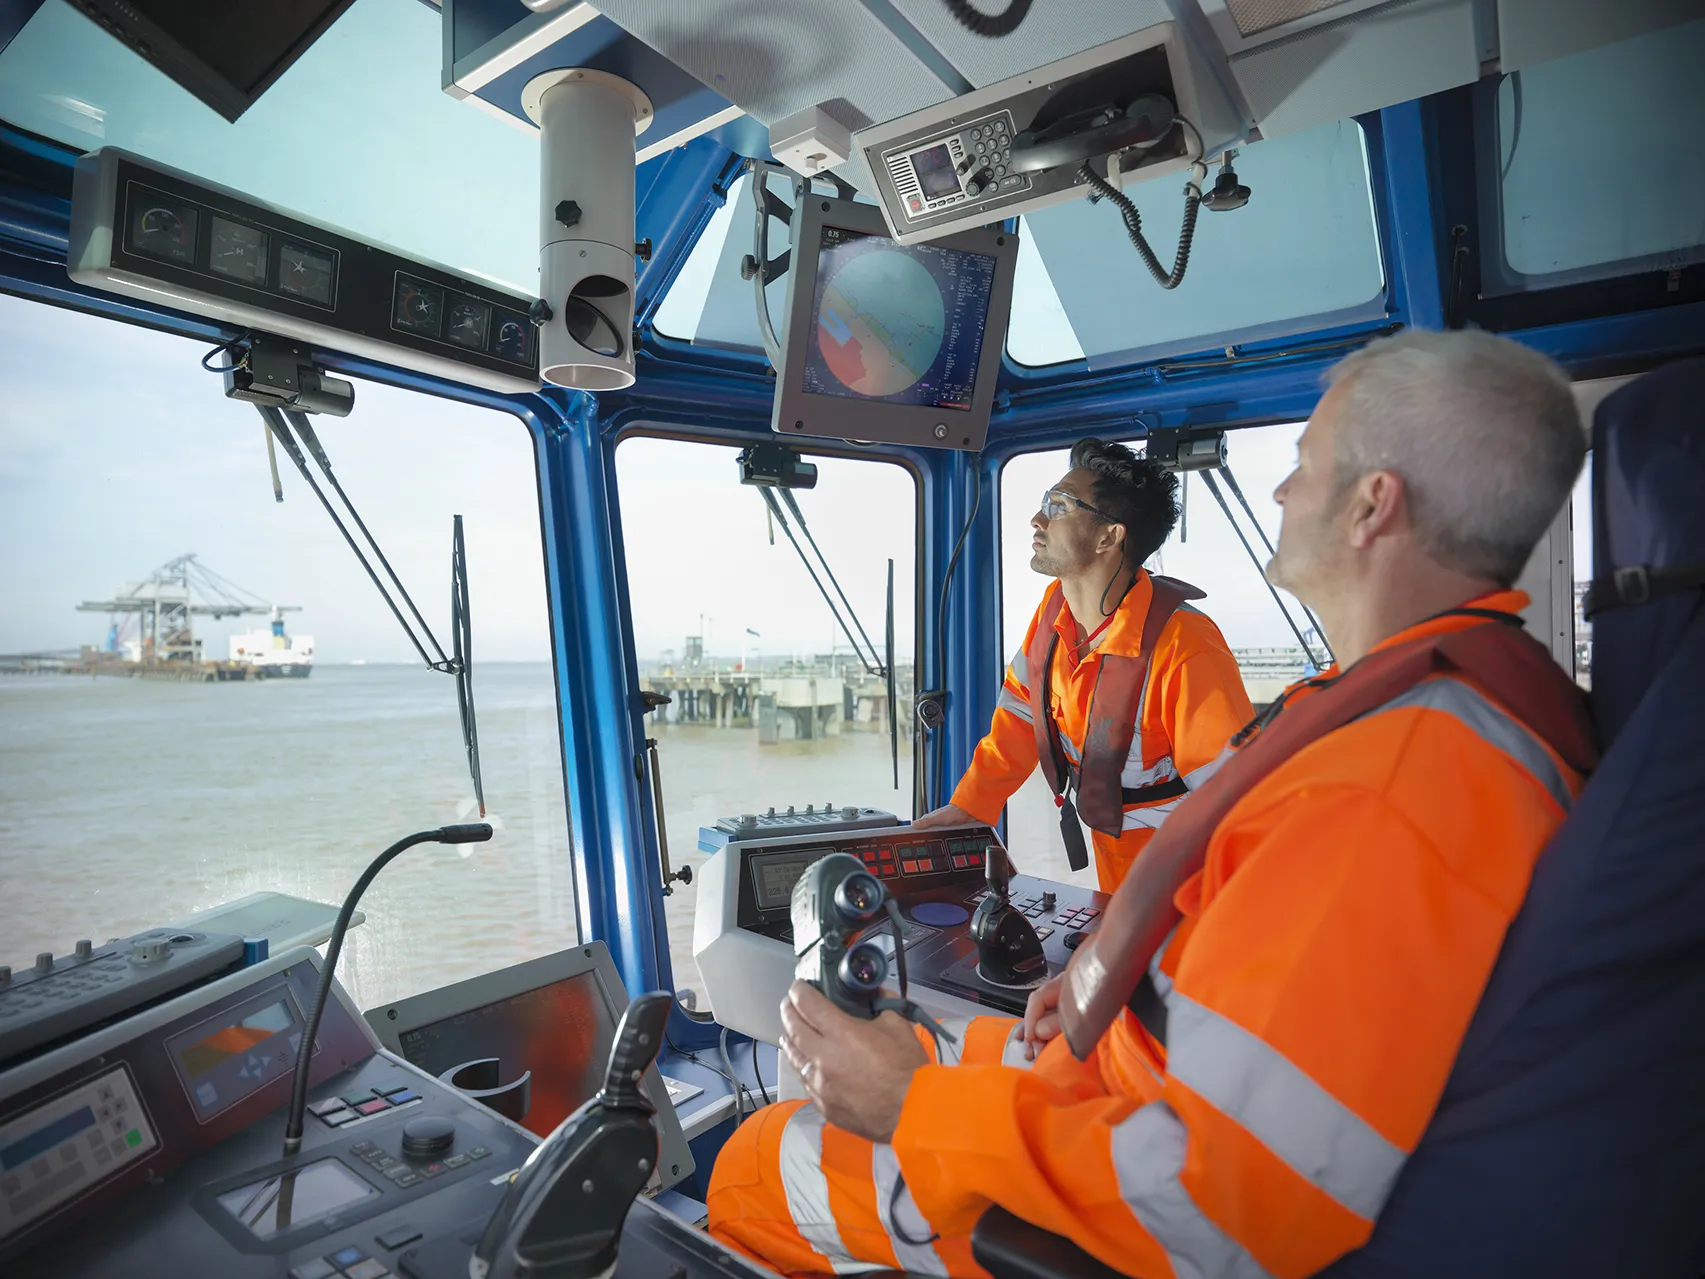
{"type": "Point", "coordinates": [1191, 704]}
{"type": "Point", "coordinates": [1331, 952]}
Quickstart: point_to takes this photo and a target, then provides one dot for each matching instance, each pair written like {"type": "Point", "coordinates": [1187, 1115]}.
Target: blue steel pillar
{"type": "Point", "coordinates": [1415, 244]}
{"type": "Point", "coordinates": [974, 660]}
{"type": "Point", "coordinates": [615, 874]}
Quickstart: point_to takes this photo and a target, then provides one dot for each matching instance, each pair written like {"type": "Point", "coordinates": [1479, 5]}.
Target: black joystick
{"type": "Point", "coordinates": [562, 1216]}
{"type": "Point", "coordinates": [1009, 953]}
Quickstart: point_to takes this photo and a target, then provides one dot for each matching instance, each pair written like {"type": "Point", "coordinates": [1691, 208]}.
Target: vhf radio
{"type": "Point", "coordinates": [834, 901]}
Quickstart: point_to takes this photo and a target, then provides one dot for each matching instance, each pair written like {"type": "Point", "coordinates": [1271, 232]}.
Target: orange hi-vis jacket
{"type": "Point", "coordinates": [1191, 704]}
{"type": "Point", "coordinates": [1331, 952]}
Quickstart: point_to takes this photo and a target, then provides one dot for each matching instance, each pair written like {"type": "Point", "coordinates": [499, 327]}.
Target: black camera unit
{"type": "Point", "coordinates": [836, 903]}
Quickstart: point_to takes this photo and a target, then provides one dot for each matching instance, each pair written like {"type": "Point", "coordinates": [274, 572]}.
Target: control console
{"type": "Point", "coordinates": [152, 1146]}
{"type": "Point", "coordinates": [743, 932]}
{"type": "Point", "coordinates": [809, 821]}
{"type": "Point", "coordinates": [61, 996]}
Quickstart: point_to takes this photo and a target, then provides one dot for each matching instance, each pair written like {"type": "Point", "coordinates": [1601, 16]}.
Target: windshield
{"type": "Point", "coordinates": [154, 766]}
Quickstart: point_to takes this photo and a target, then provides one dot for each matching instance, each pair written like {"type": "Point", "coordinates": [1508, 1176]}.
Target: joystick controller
{"type": "Point", "coordinates": [562, 1216]}
{"type": "Point", "coordinates": [1008, 951]}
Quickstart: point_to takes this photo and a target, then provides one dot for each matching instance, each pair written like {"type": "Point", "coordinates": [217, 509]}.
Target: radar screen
{"type": "Point", "coordinates": [306, 273]}
{"type": "Point", "coordinates": [162, 227]}
{"type": "Point", "coordinates": [470, 321]}
{"type": "Point", "coordinates": [418, 307]}
{"type": "Point", "coordinates": [238, 251]}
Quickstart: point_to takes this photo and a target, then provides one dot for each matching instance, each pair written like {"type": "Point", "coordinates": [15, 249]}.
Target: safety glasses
{"type": "Point", "coordinates": [1057, 502]}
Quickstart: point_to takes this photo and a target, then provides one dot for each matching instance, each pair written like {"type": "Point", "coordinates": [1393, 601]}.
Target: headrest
{"type": "Point", "coordinates": [1648, 533]}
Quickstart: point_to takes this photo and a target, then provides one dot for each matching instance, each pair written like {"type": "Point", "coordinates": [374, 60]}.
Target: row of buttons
{"type": "Point", "coordinates": [1076, 916]}
{"type": "Point", "coordinates": [1031, 906]}
{"type": "Point", "coordinates": [337, 1111]}
{"type": "Point", "coordinates": [405, 1175]}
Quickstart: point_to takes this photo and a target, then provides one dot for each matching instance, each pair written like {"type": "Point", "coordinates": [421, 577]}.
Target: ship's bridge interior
{"type": "Point", "coordinates": [758, 322]}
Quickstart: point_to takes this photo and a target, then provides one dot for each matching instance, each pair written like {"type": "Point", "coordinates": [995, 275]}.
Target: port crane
{"type": "Point", "coordinates": [165, 601]}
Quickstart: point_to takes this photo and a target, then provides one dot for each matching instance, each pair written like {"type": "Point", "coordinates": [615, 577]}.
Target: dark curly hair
{"type": "Point", "coordinates": [1133, 491]}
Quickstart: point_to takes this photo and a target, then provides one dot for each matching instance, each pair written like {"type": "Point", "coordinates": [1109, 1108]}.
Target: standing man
{"type": "Point", "coordinates": [1122, 691]}
{"type": "Point", "coordinates": [1314, 927]}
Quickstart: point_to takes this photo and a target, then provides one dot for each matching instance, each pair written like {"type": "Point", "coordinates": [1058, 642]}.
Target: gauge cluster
{"type": "Point", "coordinates": [148, 231]}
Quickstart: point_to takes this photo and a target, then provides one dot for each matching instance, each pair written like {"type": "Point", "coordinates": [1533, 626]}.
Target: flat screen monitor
{"type": "Point", "coordinates": [554, 1016]}
{"type": "Point", "coordinates": [225, 53]}
{"type": "Point", "coordinates": [899, 343]}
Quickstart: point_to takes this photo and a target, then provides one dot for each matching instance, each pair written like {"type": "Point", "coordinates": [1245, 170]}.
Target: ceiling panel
{"type": "Point", "coordinates": [1052, 30]}
{"type": "Point", "coordinates": [775, 57]}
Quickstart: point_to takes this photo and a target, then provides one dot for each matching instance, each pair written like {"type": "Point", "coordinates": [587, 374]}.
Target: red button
{"type": "Point", "coordinates": [959, 863]}
{"type": "Point", "coordinates": [911, 868]}
{"type": "Point", "coordinates": [914, 203]}
{"type": "Point", "coordinates": [976, 859]}
{"type": "Point", "coordinates": [374, 1107]}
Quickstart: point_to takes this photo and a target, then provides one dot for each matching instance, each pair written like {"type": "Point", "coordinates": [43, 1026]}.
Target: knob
{"type": "Point", "coordinates": [810, 808]}
{"type": "Point", "coordinates": [973, 188]}
{"type": "Point", "coordinates": [748, 819]}
{"type": "Point", "coordinates": [849, 813]}
{"type": "Point", "coordinates": [44, 962]}
{"type": "Point", "coordinates": [772, 811]}
{"type": "Point", "coordinates": [152, 951]}
{"type": "Point", "coordinates": [428, 1137]}
{"type": "Point", "coordinates": [1047, 899]}
{"type": "Point", "coordinates": [84, 949]}
{"type": "Point", "coordinates": [790, 810]}
{"type": "Point", "coordinates": [5, 974]}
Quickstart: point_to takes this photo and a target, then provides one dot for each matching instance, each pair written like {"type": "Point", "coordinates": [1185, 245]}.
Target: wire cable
{"type": "Point", "coordinates": [1101, 188]}
{"type": "Point", "coordinates": [941, 611]}
{"type": "Point", "coordinates": [991, 25]}
{"type": "Point", "coordinates": [758, 1074]}
{"type": "Point", "coordinates": [227, 347]}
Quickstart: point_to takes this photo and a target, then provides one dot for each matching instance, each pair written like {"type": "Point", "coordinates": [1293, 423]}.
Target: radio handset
{"type": "Point", "coordinates": [1088, 135]}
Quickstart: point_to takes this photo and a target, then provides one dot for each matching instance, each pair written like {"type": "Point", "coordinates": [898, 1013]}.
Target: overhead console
{"type": "Point", "coordinates": [1018, 145]}
{"type": "Point", "coordinates": [151, 232]}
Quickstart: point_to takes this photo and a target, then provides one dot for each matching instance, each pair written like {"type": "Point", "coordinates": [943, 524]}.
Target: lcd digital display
{"type": "Point", "coordinates": [777, 878]}
{"type": "Point", "coordinates": [900, 324]}
{"type": "Point", "coordinates": [294, 1198]}
{"type": "Point", "coordinates": [252, 1031]}
{"type": "Point", "coordinates": [935, 172]}
{"type": "Point", "coordinates": [238, 251]}
{"type": "Point", "coordinates": [561, 1032]}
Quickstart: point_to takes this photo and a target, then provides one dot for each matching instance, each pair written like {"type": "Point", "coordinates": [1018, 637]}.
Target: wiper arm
{"type": "Point", "coordinates": [872, 663]}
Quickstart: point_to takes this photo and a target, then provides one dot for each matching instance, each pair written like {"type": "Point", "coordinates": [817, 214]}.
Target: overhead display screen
{"type": "Point", "coordinates": [902, 325]}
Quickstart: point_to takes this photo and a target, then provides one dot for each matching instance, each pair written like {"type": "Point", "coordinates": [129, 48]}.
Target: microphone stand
{"type": "Point", "coordinates": [468, 833]}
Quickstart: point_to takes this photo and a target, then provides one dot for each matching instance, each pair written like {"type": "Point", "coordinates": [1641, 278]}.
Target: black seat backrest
{"type": "Point", "coordinates": [1570, 1139]}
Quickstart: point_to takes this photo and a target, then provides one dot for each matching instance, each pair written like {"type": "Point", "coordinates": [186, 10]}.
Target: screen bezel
{"type": "Point", "coordinates": [390, 1022]}
{"type": "Point", "coordinates": [797, 412]}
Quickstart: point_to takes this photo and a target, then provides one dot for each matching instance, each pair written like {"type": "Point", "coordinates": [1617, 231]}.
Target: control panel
{"type": "Point", "coordinates": [810, 820]}
{"type": "Point", "coordinates": [743, 938]}
{"type": "Point", "coordinates": [61, 996]}
{"type": "Point", "coordinates": [961, 164]}
{"type": "Point", "coordinates": [153, 1146]}
{"type": "Point", "coordinates": [145, 230]}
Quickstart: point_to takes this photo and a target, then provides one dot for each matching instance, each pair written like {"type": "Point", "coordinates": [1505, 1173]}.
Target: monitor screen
{"type": "Point", "coordinates": [903, 325]}
{"type": "Point", "coordinates": [561, 1032]}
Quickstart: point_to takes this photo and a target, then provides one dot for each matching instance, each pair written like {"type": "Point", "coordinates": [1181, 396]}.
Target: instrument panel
{"type": "Point", "coordinates": [149, 231]}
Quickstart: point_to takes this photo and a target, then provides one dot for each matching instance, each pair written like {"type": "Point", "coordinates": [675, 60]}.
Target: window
{"type": "Point", "coordinates": [1597, 215]}
{"type": "Point", "coordinates": [1301, 255]}
{"type": "Point", "coordinates": [771, 707]}
{"type": "Point", "coordinates": [129, 802]}
{"type": "Point", "coordinates": [1204, 551]}
{"type": "Point", "coordinates": [423, 172]}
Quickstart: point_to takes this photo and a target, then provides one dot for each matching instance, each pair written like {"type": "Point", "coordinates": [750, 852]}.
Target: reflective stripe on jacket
{"type": "Point", "coordinates": [1331, 952]}
{"type": "Point", "coordinates": [1192, 702]}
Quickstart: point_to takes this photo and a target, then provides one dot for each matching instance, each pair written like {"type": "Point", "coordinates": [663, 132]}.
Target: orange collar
{"type": "Point", "coordinates": [1124, 634]}
{"type": "Point", "coordinates": [1508, 601]}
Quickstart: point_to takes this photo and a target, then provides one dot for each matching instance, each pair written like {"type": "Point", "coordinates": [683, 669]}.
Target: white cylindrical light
{"type": "Point", "coordinates": [588, 121]}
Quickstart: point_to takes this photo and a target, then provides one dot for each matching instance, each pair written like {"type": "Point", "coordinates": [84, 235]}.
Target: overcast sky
{"type": "Point", "coordinates": [118, 453]}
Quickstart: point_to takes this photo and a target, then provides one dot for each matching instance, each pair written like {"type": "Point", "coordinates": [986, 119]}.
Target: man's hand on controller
{"type": "Point", "coordinates": [946, 815]}
{"type": "Point", "coordinates": [856, 1072]}
{"type": "Point", "coordinates": [1042, 1016]}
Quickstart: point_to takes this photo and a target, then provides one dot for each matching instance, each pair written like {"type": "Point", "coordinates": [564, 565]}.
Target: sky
{"type": "Point", "coordinates": [118, 453]}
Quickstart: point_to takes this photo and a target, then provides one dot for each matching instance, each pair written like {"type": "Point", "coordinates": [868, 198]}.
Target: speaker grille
{"type": "Point", "coordinates": [1255, 16]}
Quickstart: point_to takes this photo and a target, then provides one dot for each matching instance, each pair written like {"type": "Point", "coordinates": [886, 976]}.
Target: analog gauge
{"type": "Point", "coordinates": [306, 273]}
{"type": "Point", "coordinates": [514, 337]}
{"type": "Point", "coordinates": [469, 323]}
{"type": "Point", "coordinates": [417, 307]}
{"type": "Point", "coordinates": [238, 251]}
{"type": "Point", "coordinates": [164, 228]}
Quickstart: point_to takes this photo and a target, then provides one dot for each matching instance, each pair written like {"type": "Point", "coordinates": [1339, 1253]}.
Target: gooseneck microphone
{"type": "Point", "coordinates": [468, 833]}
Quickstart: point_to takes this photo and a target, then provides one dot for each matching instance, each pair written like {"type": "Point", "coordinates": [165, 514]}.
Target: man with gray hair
{"type": "Point", "coordinates": [1229, 1075]}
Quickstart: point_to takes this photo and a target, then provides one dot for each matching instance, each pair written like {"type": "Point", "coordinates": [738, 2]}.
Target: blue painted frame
{"type": "Point", "coordinates": [725, 396]}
